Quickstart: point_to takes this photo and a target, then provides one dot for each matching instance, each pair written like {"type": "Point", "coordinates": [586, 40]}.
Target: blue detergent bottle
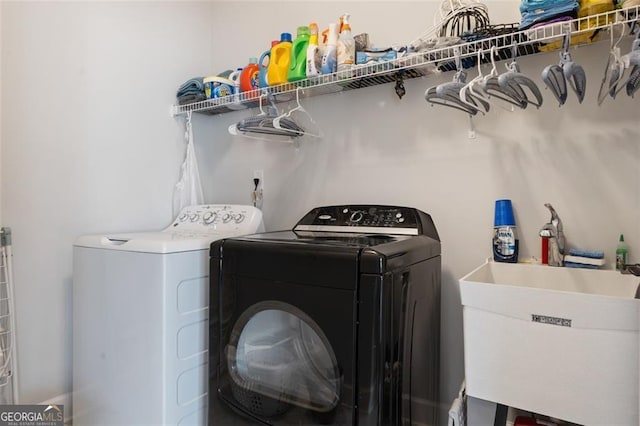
{"type": "Point", "coordinates": [262, 73]}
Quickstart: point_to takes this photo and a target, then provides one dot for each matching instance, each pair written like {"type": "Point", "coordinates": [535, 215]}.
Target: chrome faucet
{"type": "Point", "coordinates": [553, 231]}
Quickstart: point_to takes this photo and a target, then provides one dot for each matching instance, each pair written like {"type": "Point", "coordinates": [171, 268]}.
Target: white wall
{"type": "Point", "coordinates": [1, 223]}
{"type": "Point", "coordinates": [88, 146]}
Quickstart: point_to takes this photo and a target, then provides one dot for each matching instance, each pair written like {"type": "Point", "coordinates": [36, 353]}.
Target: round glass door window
{"type": "Point", "coordinates": [278, 352]}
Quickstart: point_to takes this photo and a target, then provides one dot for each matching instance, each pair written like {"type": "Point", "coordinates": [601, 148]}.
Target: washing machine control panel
{"type": "Point", "coordinates": [208, 218]}
{"type": "Point", "coordinates": [365, 218]}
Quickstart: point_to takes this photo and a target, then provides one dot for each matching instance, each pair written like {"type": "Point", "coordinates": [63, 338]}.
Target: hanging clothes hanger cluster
{"type": "Point", "coordinates": [514, 89]}
{"type": "Point", "coordinates": [449, 94]}
{"type": "Point", "coordinates": [273, 125]}
{"type": "Point", "coordinates": [511, 88]}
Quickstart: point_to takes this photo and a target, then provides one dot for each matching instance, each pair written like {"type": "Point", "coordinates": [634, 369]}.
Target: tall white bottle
{"type": "Point", "coordinates": [346, 55]}
{"type": "Point", "coordinates": [313, 66]}
{"type": "Point", "coordinates": [329, 56]}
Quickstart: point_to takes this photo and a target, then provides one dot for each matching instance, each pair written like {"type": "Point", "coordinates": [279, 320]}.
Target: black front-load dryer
{"type": "Point", "coordinates": [335, 322]}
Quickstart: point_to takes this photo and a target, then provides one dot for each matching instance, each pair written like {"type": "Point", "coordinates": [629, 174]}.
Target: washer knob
{"type": "Point", "coordinates": [194, 217]}
{"type": "Point", "coordinates": [183, 217]}
{"type": "Point", "coordinates": [226, 218]}
{"type": "Point", "coordinates": [209, 218]}
{"type": "Point", "coordinates": [239, 218]}
{"type": "Point", "coordinates": [356, 217]}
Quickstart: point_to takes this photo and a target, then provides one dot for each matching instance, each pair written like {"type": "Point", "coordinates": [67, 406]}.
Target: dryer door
{"type": "Point", "coordinates": [277, 356]}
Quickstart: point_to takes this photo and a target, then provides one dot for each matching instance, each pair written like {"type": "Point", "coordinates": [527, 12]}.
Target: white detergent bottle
{"type": "Point", "coordinates": [313, 66]}
{"type": "Point", "coordinates": [329, 56]}
{"type": "Point", "coordinates": [346, 55]}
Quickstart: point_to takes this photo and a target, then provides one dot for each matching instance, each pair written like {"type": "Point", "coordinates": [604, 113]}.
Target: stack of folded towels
{"type": "Point", "coordinates": [584, 259]}
{"type": "Point", "coordinates": [539, 12]}
{"type": "Point", "coordinates": [190, 91]}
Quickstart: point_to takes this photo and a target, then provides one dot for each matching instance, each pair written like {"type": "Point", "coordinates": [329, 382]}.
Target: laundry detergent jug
{"type": "Point", "coordinates": [280, 61]}
{"type": "Point", "coordinates": [299, 55]}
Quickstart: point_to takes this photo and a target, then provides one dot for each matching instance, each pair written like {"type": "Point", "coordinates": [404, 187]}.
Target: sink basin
{"type": "Point", "coordinates": [556, 341]}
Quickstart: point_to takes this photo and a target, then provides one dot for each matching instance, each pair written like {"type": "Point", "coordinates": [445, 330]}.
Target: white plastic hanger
{"type": "Point", "coordinates": [472, 92]}
{"type": "Point", "coordinates": [285, 123]}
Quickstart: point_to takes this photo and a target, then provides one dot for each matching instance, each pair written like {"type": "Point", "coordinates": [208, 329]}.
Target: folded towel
{"type": "Point", "coordinates": [584, 260]}
{"type": "Point", "coordinates": [594, 254]}
{"type": "Point", "coordinates": [191, 87]}
{"type": "Point", "coordinates": [189, 99]}
{"type": "Point", "coordinates": [534, 12]}
{"type": "Point", "coordinates": [579, 265]}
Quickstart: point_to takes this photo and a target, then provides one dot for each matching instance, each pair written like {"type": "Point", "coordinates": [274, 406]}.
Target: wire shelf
{"type": "Point", "coordinates": [526, 42]}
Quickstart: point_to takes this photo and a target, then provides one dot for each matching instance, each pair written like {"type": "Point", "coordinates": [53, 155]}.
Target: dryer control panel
{"type": "Point", "coordinates": [372, 219]}
{"type": "Point", "coordinates": [218, 217]}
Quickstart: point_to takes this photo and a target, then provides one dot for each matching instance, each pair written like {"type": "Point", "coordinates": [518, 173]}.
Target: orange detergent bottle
{"type": "Point", "coordinates": [249, 76]}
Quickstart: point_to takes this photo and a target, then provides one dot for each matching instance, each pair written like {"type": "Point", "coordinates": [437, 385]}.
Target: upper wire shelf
{"type": "Point", "coordinates": [525, 42]}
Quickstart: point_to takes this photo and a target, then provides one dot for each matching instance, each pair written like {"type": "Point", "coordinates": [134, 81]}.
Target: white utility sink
{"type": "Point", "coordinates": [556, 341]}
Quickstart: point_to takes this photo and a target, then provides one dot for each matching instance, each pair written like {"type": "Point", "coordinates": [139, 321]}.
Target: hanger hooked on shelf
{"type": "Point", "coordinates": [573, 73]}
{"type": "Point", "coordinates": [448, 94]}
{"type": "Point", "coordinates": [285, 122]}
{"type": "Point", "coordinates": [613, 68]}
{"type": "Point", "coordinates": [514, 79]}
{"type": "Point", "coordinates": [262, 126]}
{"type": "Point", "coordinates": [506, 96]}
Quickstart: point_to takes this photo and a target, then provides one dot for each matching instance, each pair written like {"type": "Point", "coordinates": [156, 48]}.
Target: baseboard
{"type": "Point", "coordinates": [63, 399]}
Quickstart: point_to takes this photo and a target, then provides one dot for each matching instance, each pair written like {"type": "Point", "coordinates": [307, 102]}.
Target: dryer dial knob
{"type": "Point", "coordinates": [239, 218]}
{"type": "Point", "coordinates": [356, 217]}
{"type": "Point", "coordinates": [183, 217]}
{"type": "Point", "coordinates": [226, 218]}
{"type": "Point", "coordinates": [194, 217]}
{"type": "Point", "coordinates": [209, 218]}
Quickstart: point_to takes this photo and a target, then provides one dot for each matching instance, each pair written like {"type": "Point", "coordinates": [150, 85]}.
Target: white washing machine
{"type": "Point", "coordinates": [140, 319]}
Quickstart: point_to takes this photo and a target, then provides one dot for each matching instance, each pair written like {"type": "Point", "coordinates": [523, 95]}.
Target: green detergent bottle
{"type": "Point", "coordinates": [299, 55]}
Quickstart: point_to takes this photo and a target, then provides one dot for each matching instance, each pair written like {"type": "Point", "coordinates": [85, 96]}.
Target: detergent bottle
{"type": "Point", "coordinates": [262, 75]}
{"type": "Point", "coordinates": [313, 66]}
{"type": "Point", "coordinates": [346, 54]}
{"type": "Point", "coordinates": [299, 55]}
{"type": "Point", "coordinates": [235, 77]}
{"type": "Point", "coordinates": [279, 62]}
{"type": "Point", "coordinates": [329, 56]}
{"type": "Point", "coordinates": [249, 76]}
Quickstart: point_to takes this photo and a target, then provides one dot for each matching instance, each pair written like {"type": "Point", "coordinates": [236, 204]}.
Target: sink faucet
{"type": "Point", "coordinates": [553, 231]}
